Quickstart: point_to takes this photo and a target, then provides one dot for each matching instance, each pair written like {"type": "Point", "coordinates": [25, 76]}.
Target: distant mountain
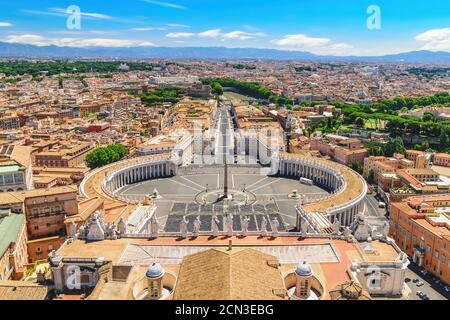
{"type": "Point", "coordinates": [9, 50]}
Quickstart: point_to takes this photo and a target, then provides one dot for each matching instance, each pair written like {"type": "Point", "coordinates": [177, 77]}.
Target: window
{"type": "Point", "coordinates": [154, 289]}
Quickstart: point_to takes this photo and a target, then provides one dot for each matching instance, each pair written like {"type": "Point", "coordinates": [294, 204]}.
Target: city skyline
{"type": "Point", "coordinates": [322, 27]}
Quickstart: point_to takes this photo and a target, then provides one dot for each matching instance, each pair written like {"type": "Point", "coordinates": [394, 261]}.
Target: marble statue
{"type": "Point", "coordinates": [122, 227]}
{"type": "Point", "coordinates": [264, 227]}
{"type": "Point", "coordinates": [154, 227]}
{"type": "Point", "coordinates": [336, 226]}
{"type": "Point", "coordinates": [184, 227]}
{"type": "Point", "coordinates": [197, 225]}
{"type": "Point", "coordinates": [215, 226]}
{"type": "Point", "coordinates": [73, 230]}
{"type": "Point", "coordinates": [96, 229]}
{"type": "Point", "coordinates": [229, 225]}
{"type": "Point", "coordinates": [275, 224]}
{"type": "Point", "coordinates": [245, 221]}
{"type": "Point", "coordinates": [347, 234]}
{"type": "Point", "coordinates": [304, 227]}
{"type": "Point", "coordinates": [385, 230]}
{"type": "Point", "coordinates": [363, 229]}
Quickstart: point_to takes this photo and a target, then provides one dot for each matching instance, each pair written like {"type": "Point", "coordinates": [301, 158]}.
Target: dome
{"type": "Point", "coordinates": [303, 269]}
{"type": "Point", "coordinates": [155, 271]}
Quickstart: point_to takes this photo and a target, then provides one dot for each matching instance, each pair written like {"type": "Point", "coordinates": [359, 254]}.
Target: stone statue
{"type": "Point", "coordinates": [385, 230]}
{"type": "Point", "coordinates": [264, 227]}
{"type": "Point", "coordinates": [363, 230]}
{"type": "Point", "coordinates": [154, 227]}
{"type": "Point", "coordinates": [73, 230]}
{"type": "Point", "coordinates": [347, 234]}
{"type": "Point", "coordinates": [197, 225]}
{"type": "Point", "coordinates": [215, 226]}
{"type": "Point", "coordinates": [184, 227]}
{"type": "Point", "coordinates": [304, 227]}
{"type": "Point", "coordinates": [96, 228]}
{"type": "Point", "coordinates": [122, 227]}
{"type": "Point", "coordinates": [244, 224]}
{"type": "Point", "coordinates": [275, 224]}
{"type": "Point", "coordinates": [336, 226]}
{"type": "Point", "coordinates": [229, 225]}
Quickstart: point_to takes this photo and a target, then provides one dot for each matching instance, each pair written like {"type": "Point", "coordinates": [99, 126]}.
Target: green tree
{"type": "Point", "coordinates": [359, 122]}
{"type": "Point", "coordinates": [217, 88]}
{"type": "Point", "coordinates": [105, 155]}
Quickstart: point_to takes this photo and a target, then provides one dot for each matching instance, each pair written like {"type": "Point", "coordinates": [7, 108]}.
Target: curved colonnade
{"type": "Point", "coordinates": [345, 201]}
{"type": "Point", "coordinates": [106, 182]}
{"type": "Point", "coordinates": [314, 214]}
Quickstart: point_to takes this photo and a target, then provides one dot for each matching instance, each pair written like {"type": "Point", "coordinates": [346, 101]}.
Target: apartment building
{"type": "Point", "coordinates": [421, 228]}
{"type": "Point", "coordinates": [180, 141]}
{"type": "Point", "coordinates": [421, 159]}
{"type": "Point", "coordinates": [70, 156]}
{"type": "Point", "coordinates": [13, 245]}
{"type": "Point", "coordinates": [441, 159]}
{"type": "Point", "coordinates": [342, 149]}
{"type": "Point", "coordinates": [45, 212]}
{"type": "Point", "coordinates": [16, 172]}
{"type": "Point", "coordinates": [9, 122]}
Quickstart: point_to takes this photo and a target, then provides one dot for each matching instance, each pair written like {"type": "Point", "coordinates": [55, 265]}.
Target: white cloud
{"type": "Point", "coordinates": [75, 42]}
{"type": "Point", "coordinates": [301, 40]}
{"type": "Point", "coordinates": [165, 4]}
{"type": "Point", "coordinates": [213, 33]}
{"type": "Point", "coordinates": [5, 24]}
{"type": "Point", "coordinates": [241, 35]}
{"type": "Point", "coordinates": [85, 14]}
{"type": "Point", "coordinates": [321, 46]}
{"type": "Point", "coordinates": [176, 35]}
{"type": "Point", "coordinates": [435, 39]}
{"type": "Point", "coordinates": [148, 29]}
{"type": "Point", "coordinates": [177, 25]}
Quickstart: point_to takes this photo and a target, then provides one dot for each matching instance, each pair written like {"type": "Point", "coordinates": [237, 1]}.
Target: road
{"type": "Point", "coordinates": [434, 290]}
{"type": "Point", "coordinates": [226, 137]}
{"type": "Point", "coordinates": [375, 216]}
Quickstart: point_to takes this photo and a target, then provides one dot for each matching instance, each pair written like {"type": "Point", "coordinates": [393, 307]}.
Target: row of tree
{"type": "Point", "coordinates": [386, 112]}
{"type": "Point", "coordinates": [102, 156]}
{"type": "Point", "coordinates": [16, 68]}
{"type": "Point", "coordinates": [163, 94]}
{"type": "Point", "coordinates": [251, 89]}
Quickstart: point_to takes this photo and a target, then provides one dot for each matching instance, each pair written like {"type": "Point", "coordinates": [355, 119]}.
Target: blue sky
{"type": "Point", "coordinates": [318, 26]}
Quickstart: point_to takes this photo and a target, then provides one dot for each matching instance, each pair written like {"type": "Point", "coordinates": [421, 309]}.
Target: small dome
{"type": "Point", "coordinates": [155, 271]}
{"type": "Point", "coordinates": [303, 269]}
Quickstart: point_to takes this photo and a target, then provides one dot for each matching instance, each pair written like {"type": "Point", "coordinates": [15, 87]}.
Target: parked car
{"type": "Point", "coordinates": [425, 297]}
{"type": "Point", "coordinates": [419, 293]}
{"type": "Point", "coordinates": [415, 280]}
{"type": "Point", "coordinates": [419, 284]}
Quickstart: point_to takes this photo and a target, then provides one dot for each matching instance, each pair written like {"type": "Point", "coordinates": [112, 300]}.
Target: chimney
{"type": "Point", "coordinates": [230, 245]}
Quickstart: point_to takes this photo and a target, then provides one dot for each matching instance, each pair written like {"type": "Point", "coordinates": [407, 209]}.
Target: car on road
{"type": "Point", "coordinates": [419, 284]}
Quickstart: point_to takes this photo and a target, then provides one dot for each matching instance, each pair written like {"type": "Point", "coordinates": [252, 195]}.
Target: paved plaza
{"type": "Point", "coordinates": [178, 195]}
